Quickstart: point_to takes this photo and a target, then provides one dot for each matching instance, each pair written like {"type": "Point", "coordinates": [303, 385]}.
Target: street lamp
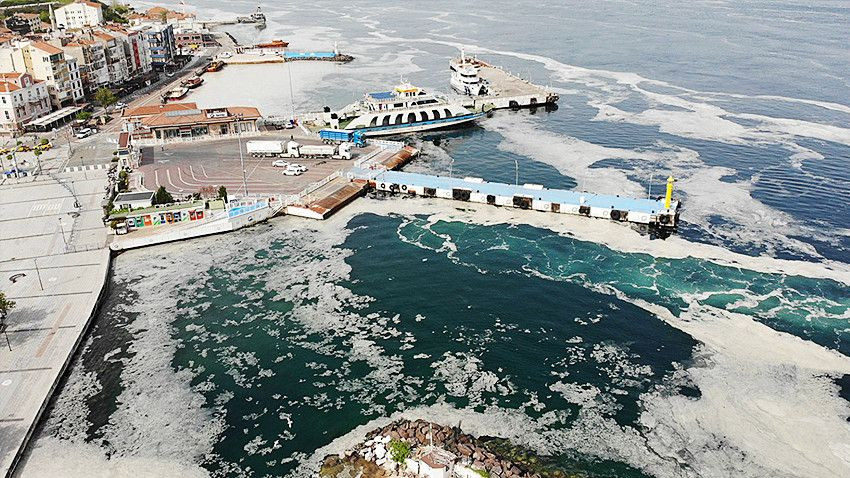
{"type": "Point", "coordinates": [451, 166]}
{"type": "Point", "coordinates": [241, 158]}
{"type": "Point", "coordinates": [516, 170]}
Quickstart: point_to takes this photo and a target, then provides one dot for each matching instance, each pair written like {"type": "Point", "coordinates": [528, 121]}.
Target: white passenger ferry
{"type": "Point", "coordinates": [405, 109]}
{"type": "Point", "coordinates": [465, 79]}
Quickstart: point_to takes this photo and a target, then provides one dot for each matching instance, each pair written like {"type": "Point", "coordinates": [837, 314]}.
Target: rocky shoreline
{"type": "Point", "coordinates": [485, 456]}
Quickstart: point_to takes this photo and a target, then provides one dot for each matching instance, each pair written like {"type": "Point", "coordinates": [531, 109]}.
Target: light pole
{"type": "Point", "coordinates": [62, 231]}
{"type": "Point", "coordinates": [241, 158]}
{"type": "Point", "coordinates": [516, 172]}
{"type": "Point", "coordinates": [451, 167]}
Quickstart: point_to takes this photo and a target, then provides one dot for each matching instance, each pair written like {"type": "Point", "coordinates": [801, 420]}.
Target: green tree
{"type": "Point", "coordinates": [222, 193]}
{"type": "Point", "coordinates": [161, 196]}
{"type": "Point", "coordinates": [84, 115]}
{"type": "Point", "coordinates": [124, 181]}
{"type": "Point", "coordinates": [105, 97]}
{"type": "Point", "coordinates": [6, 305]}
{"type": "Point", "coordinates": [399, 450]}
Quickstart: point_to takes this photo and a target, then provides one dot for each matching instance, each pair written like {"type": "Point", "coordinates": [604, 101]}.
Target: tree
{"type": "Point", "coordinates": [207, 192]}
{"type": "Point", "coordinates": [399, 450]}
{"type": "Point", "coordinates": [161, 196]}
{"type": "Point", "coordinates": [84, 115]}
{"type": "Point", "coordinates": [105, 97]}
{"type": "Point", "coordinates": [222, 193]}
{"type": "Point", "coordinates": [6, 305]}
{"type": "Point", "coordinates": [124, 181]}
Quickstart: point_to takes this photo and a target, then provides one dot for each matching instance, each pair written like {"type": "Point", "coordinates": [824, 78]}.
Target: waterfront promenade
{"type": "Point", "coordinates": [54, 264]}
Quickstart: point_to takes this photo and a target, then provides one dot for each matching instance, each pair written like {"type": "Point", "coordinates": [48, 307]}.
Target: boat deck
{"type": "Point", "coordinates": [508, 91]}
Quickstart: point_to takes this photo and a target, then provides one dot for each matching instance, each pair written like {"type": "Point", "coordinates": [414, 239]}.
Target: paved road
{"type": "Point", "coordinates": [53, 264]}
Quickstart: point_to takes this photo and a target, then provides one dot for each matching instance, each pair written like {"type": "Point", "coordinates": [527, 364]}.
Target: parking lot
{"type": "Point", "coordinates": [186, 167]}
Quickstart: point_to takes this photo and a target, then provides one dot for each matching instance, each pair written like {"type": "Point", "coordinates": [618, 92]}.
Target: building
{"type": "Point", "coordinates": [187, 40]}
{"type": "Point", "coordinates": [136, 50]}
{"type": "Point", "coordinates": [48, 63]}
{"type": "Point", "coordinates": [184, 121]}
{"type": "Point", "coordinates": [24, 23]}
{"type": "Point", "coordinates": [22, 99]}
{"type": "Point", "coordinates": [134, 200]}
{"type": "Point", "coordinates": [78, 15]}
{"type": "Point", "coordinates": [116, 60]}
{"type": "Point", "coordinates": [91, 60]}
{"type": "Point", "coordinates": [160, 42]}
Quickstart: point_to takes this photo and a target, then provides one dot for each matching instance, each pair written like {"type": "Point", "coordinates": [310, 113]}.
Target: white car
{"type": "Point", "coordinates": [226, 54]}
{"type": "Point", "coordinates": [279, 163]}
{"type": "Point", "coordinates": [292, 172]}
{"type": "Point", "coordinates": [85, 133]}
{"type": "Point", "coordinates": [297, 167]}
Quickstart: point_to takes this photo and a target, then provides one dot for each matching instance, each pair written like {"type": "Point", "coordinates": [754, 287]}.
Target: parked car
{"type": "Point", "coordinates": [297, 167]}
{"type": "Point", "coordinates": [85, 133]}
{"type": "Point", "coordinates": [44, 147]}
{"type": "Point", "coordinates": [120, 105]}
{"type": "Point", "coordinates": [226, 54]}
{"type": "Point", "coordinates": [23, 148]}
{"type": "Point", "coordinates": [292, 172]}
{"type": "Point", "coordinates": [279, 163]}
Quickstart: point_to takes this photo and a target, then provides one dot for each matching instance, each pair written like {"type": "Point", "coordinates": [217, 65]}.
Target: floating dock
{"type": "Point", "coordinates": [507, 90]}
{"type": "Point", "coordinates": [649, 215]}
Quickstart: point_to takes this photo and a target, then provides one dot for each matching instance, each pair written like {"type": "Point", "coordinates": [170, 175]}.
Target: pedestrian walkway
{"type": "Point", "coordinates": [90, 167]}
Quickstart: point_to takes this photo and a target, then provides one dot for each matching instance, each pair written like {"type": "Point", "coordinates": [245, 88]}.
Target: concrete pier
{"type": "Point", "coordinates": [508, 91]}
{"type": "Point", "coordinates": [54, 264]}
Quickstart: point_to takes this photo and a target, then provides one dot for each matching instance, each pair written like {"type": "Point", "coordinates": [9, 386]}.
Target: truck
{"type": "Point", "coordinates": [342, 135]}
{"type": "Point", "coordinates": [265, 149]}
{"type": "Point", "coordinates": [296, 150]}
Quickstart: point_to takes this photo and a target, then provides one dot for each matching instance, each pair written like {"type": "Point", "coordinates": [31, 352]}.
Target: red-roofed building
{"type": "Point", "coordinates": [48, 63]}
{"type": "Point", "coordinates": [22, 99]}
{"type": "Point", "coordinates": [176, 121]}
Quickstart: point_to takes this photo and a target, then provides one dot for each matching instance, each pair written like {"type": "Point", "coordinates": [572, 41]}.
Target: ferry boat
{"type": "Point", "coordinates": [175, 94]}
{"type": "Point", "coordinates": [257, 17]}
{"type": "Point", "coordinates": [465, 79]}
{"type": "Point", "coordinates": [405, 109]}
{"type": "Point", "coordinates": [193, 82]}
{"type": "Point", "coordinates": [215, 66]}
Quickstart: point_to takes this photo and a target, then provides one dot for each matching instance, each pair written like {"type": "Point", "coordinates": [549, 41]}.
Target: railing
{"type": "Point", "coordinates": [305, 196]}
{"type": "Point", "coordinates": [386, 144]}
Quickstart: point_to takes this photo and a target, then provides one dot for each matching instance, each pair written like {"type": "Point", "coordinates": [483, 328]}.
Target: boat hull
{"type": "Point", "coordinates": [418, 126]}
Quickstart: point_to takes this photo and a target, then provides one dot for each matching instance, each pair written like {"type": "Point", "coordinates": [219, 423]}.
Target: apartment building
{"type": "Point", "coordinates": [79, 14]}
{"type": "Point", "coordinates": [22, 99]}
{"type": "Point", "coordinates": [48, 63]}
{"type": "Point", "coordinates": [160, 43]}
{"type": "Point", "coordinates": [136, 50]}
{"type": "Point", "coordinates": [91, 60]}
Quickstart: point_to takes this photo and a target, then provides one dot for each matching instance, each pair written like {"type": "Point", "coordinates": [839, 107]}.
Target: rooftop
{"type": "Point", "coordinates": [201, 117]}
{"type": "Point", "coordinates": [150, 110]}
{"type": "Point", "coordinates": [134, 196]}
{"type": "Point", "coordinates": [46, 47]}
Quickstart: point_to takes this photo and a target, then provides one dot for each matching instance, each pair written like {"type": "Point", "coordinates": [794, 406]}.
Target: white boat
{"type": "Point", "coordinates": [405, 109]}
{"type": "Point", "coordinates": [465, 79]}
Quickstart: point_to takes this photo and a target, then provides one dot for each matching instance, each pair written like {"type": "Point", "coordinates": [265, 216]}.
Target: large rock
{"type": "Point", "coordinates": [464, 450]}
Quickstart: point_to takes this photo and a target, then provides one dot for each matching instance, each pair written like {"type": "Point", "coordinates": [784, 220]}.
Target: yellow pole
{"type": "Point", "coordinates": [669, 195]}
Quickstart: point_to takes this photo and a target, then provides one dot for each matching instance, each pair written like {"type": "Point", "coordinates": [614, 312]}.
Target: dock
{"type": "Point", "coordinates": [507, 90]}
{"type": "Point", "coordinates": [648, 215]}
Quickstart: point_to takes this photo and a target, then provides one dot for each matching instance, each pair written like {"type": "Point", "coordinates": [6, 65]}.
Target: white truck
{"type": "Point", "coordinates": [296, 150]}
{"type": "Point", "coordinates": [265, 149]}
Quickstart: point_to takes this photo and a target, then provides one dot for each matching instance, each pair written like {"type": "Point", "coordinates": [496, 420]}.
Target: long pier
{"type": "Point", "coordinates": [649, 215]}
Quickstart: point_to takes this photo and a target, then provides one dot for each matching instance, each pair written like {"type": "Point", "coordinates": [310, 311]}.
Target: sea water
{"type": "Point", "coordinates": [722, 351]}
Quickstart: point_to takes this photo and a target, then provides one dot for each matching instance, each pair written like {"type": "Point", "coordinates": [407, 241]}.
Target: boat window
{"type": "Point", "coordinates": [436, 114]}
{"type": "Point", "coordinates": [398, 118]}
{"type": "Point", "coordinates": [448, 113]}
{"type": "Point", "coordinates": [398, 105]}
{"type": "Point", "coordinates": [374, 121]}
{"type": "Point", "coordinates": [385, 121]}
{"type": "Point", "coordinates": [411, 118]}
{"type": "Point", "coordinates": [423, 115]}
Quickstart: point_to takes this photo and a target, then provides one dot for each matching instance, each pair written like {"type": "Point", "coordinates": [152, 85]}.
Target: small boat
{"type": "Point", "coordinates": [465, 79]}
{"type": "Point", "coordinates": [193, 82]}
{"type": "Point", "coordinates": [215, 66]}
{"type": "Point", "coordinates": [175, 94]}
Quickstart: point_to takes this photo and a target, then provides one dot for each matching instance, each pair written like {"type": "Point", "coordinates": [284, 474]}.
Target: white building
{"type": "Point", "coordinates": [47, 63]}
{"type": "Point", "coordinates": [22, 99]}
{"type": "Point", "coordinates": [78, 15]}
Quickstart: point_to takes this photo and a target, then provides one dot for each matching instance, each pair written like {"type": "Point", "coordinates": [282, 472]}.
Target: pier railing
{"type": "Point", "coordinates": [305, 196]}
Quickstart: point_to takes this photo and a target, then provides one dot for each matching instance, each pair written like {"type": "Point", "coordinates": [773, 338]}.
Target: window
{"type": "Point", "coordinates": [385, 121]}
{"type": "Point", "coordinates": [436, 114]}
{"type": "Point", "coordinates": [423, 115]}
{"type": "Point", "coordinates": [399, 118]}
{"type": "Point", "coordinates": [374, 121]}
{"type": "Point", "coordinates": [411, 118]}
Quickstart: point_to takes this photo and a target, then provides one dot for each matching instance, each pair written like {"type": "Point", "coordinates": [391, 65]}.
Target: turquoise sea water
{"type": "Point", "coordinates": [243, 354]}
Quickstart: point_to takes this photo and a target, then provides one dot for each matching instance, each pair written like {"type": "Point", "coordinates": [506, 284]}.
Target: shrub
{"type": "Point", "coordinates": [399, 450]}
